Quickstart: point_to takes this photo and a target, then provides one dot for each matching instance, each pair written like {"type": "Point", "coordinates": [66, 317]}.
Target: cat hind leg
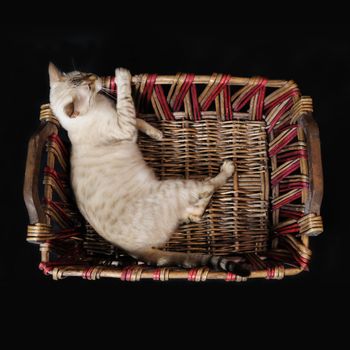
{"type": "Point", "coordinates": [196, 210]}
{"type": "Point", "coordinates": [226, 171]}
{"type": "Point", "coordinates": [149, 130]}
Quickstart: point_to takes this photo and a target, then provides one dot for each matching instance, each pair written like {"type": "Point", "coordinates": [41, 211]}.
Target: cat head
{"type": "Point", "coordinates": [72, 94]}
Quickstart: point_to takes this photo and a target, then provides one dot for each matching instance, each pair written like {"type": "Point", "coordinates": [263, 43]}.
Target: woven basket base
{"type": "Point", "coordinates": [236, 219]}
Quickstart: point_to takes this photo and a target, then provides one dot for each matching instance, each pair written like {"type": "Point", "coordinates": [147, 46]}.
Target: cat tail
{"type": "Point", "coordinates": [159, 257]}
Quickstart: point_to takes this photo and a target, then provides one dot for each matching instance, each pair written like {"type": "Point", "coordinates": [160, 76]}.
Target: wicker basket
{"type": "Point", "coordinates": [266, 213]}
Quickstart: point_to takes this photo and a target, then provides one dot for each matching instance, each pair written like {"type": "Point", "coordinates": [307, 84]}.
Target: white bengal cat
{"type": "Point", "coordinates": [115, 190]}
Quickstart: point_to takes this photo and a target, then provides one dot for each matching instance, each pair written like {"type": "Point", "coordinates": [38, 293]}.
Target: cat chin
{"type": "Point", "coordinates": [74, 115]}
{"type": "Point", "coordinates": [65, 120]}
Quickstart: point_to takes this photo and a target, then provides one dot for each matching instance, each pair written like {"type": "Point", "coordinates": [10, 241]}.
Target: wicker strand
{"type": "Point", "coordinates": [300, 108]}
{"type": "Point", "coordinates": [311, 225]}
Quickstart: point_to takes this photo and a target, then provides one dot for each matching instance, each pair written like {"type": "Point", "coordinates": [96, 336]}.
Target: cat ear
{"type": "Point", "coordinates": [54, 74]}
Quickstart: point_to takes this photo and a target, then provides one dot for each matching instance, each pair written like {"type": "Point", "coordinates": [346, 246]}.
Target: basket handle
{"type": "Point", "coordinates": [32, 170]}
{"type": "Point", "coordinates": [310, 127]}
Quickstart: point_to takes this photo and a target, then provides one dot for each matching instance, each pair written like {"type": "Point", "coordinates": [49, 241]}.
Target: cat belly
{"type": "Point", "coordinates": [119, 195]}
{"type": "Point", "coordinates": [124, 218]}
{"type": "Point", "coordinates": [128, 228]}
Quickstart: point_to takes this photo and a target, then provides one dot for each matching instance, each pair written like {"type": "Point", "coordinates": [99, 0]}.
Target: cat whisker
{"type": "Point", "coordinates": [109, 90]}
{"type": "Point", "coordinates": [109, 95]}
{"type": "Point", "coordinates": [106, 91]}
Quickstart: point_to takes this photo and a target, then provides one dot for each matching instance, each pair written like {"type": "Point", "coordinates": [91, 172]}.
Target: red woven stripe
{"type": "Point", "coordinates": [163, 102]}
{"type": "Point", "coordinates": [283, 126]}
{"type": "Point", "coordinates": [230, 277]}
{"type": "Point", "coordinates": [55, 138]}
{"type": "Point", "coordinates": [183, 91]}
{"type": "Point", "coordinates": [55, 176]}
{"type": "Point", "coordinates": [66, 233]}
{"type": "Point", "coordinates": [288, 229]}
{"type": "Point", "coordinates": [195, 103]}
{"type": "Point", "coordinates": [275, 180]}
{"type": "Point", "coordinates": [192, 274]}
{"type": "Point", "coordinates": [302, 262]}
{"type": "Point", "coordinates": [287, 200]}
{"type": "Point", "coordinates": [290, 155]}
{"type": "Point", "coordinates": [127, 273]}
{"type": "Point", "coordinates": [292, 158]}
{"type": "Point", "coordinates": [58, 178]}
{"type": "Point", "coordinates": [293, 186]}
{"type": "Point", "coordinates": [269, 273]}
{"type": "Point", "coordinates": [227, 103]}
{"type": "Point", "coordinates": [156, 275]}
{"type": "Point", "coordinates": [112, 84]}
{"type": "Point", "coordinates": [223, 81]}
{"type": "Point", "coordinates": [146, 95]}
{"type": "Point", "coordinates": [291, 214]}
{"type": "Point", "coordinates": [249, 94]}
{"type": "Point", "coordinates": [298, 259]}
{"type": "Point", "coordinates": [293, 93]}
{"type": "Point", "coordinates": [286, 95]}
{"type": "Point", "coordinates": [260, 104]}
{"type": "Point", "coordinates": [151, 79]}
{"type": "Point", "coordinates": [283, 142]}
{"type": "Point", "coordinates": [87, 273]}
{"type": "Point", "coordinates": [123, 274]}
{"type": "Point", "coordinates": [45, 268]}
{"type": "Point", "coordinates": [247, 97]}
{"type": "Point", "coordinates": [56, 207]}
{"type": "Point", "coordinates": [278, 116]}
{"type": "Point", "coordinates": [54, 173]}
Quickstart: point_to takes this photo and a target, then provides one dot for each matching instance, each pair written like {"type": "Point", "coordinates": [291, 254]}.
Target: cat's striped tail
{"type": "Point", "coordinates": [190, 260]}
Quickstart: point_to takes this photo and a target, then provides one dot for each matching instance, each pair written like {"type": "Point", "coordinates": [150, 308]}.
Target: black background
{"type": "Point", "coordinates": [315, 56]}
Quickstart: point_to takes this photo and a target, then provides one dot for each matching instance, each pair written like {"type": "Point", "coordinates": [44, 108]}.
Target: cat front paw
{"type": "Point", "coordinates": [122, 75]}
{"type": "Point", "coordinates": [228, 167]}
{"type": "Point", "coordinates": [158, 135]}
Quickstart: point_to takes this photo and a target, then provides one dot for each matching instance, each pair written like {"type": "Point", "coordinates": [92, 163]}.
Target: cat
{"type": "Point", "coordinates": [115, 190]}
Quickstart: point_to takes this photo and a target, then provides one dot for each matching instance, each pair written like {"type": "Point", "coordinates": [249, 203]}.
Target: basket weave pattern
{"type": "Point", "coordinates": [236, 219]}
{"type": "Point", "coordinates": [265, 213]}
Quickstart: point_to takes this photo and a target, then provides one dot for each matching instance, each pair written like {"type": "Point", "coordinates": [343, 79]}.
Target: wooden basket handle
{"type": "Point", "coordinates": [32, 170]}
{"type": "Point", "coordinates": [310, 127]}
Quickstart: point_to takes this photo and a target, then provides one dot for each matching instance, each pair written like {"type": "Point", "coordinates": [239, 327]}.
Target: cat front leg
{"type": "Point", "coordinates": [126, 114]}
{"type": "Point", "coordinates": [125, 103]}
{"type": "Point", "coordinates": [148, 129]}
